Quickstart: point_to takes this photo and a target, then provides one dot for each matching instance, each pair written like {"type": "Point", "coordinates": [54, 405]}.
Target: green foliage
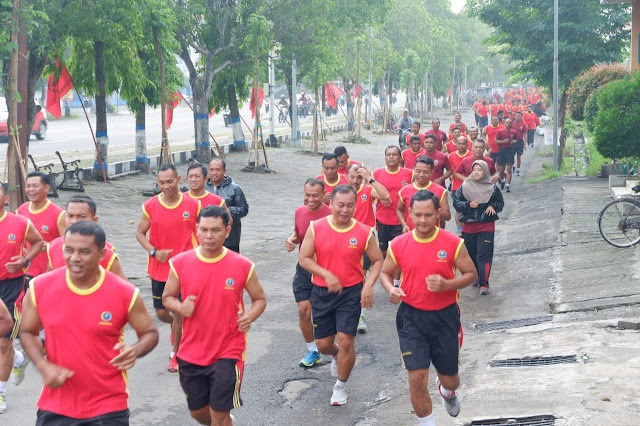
{"type": "Point", "coordinates": [616, 126]}
{"type": "Point", "coordinates": [582, 86]}
{"type": "Point", "coordinates": [591, 109]}
{"type": "Point", "coordinates": [596, 160]}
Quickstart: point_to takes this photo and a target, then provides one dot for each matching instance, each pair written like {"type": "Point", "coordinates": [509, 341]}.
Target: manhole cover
{"type": "Point", "coordinates": [534, 361]}
{"type": "Point", "coordinates": [545, 420]}
{"type": "Point", "coordinates": [501, 325]}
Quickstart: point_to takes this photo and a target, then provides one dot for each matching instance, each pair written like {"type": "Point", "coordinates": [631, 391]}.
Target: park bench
{"type": "Point", "coordinates": [72, 180]}
{"type": "Point", "coordinates": [53, 191]}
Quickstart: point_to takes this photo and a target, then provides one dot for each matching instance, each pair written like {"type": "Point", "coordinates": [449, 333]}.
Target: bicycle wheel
{"type": "Point", "coordinates": [619, 222]}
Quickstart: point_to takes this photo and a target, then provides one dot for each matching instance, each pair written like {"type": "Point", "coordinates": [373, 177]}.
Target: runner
{"type": "Point", "coordinates": [197, 178]}
{"type": "Point", "coordinates": [506, 139]}
{"type": "Point", "coordinates": [495, 107]}
{"type": "Point", "coordinates": [477, 105]}
{"type": "Point", "coordinates": [330, 176]}
{"type": "Point", "coordinates": [421, 174]}
{"type": "Point", "coordinates": [490, 133]}
{"type": "Point", "coordinates": [46, 216]}
{"type": "Point", "coordinates": [79, 208]}
{"type": "Point", "coordinates": [478, 201]}
{"type": "Point", "coordinates": [313, 209]}
{"type": "Point", "coordinates": [440, 135]}
{"type": "Point", "coordinates": [464, 168]}
{"type": "Point", "coordinates": [212, 280]}
{"type": "Point", "coordinates": [344, 160]}
{"type": "Point", "coordinates": [452, 145]}
{"type": "Point", "coordinates": [367, 194]}
{"type": "Point", "coordinates": [483, 113]}
{"type": "Point", "coordinates": [428, 320]}
{"type": "Point", "coordinates": [457, 122]}
{"type": "Point", "coordinates": [392, 177]}
{"type": "Point", "coordinates": [84, 310]}
{"type": "Point", "coordinates": [455, 158]}
{"type": "Point", "coordinates": [6, 322]}
{"type": "Point", "coordinates": [441, 166]}
{"type": "Point", "coordinates": [333, 252]}
{"type": "Point", "coordinates": [531, 120]}
{"type": "Point", "coordinates": [415, 131]}
{"type": "Point", "coordinates": [521, 139]}
{"type": "Point", "coordinates": [170, 220]}
{"type": "Point", "coordinates": [414, 151]}
{"type": "Point", "coordinates": [15, 231]}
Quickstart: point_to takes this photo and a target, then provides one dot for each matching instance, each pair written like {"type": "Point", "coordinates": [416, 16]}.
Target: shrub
{"type": "Point", "coordinates": [595, 77]}
{"type": "Point", "coordinates": [591, 109]}
{"type": "Point", "coordinates": [617, 124]}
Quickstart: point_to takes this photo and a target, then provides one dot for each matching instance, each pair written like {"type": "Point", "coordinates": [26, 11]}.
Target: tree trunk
{"type": "Point", "coordinates": [142, 162]}
{"type": "Point", "coordinates": [348, 85]}
{"type": "Point", "coordinates": [102, 138]}
{"type": "Point", "coordinates": [359, 118]}
{"type": "Point", "coordinates": [239, 144]}
{"type": "Point", "coordinates": [201, 122]}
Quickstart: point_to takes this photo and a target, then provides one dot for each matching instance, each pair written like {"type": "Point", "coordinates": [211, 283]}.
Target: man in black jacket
{"type": "Point", "coordinates": [222, 185]}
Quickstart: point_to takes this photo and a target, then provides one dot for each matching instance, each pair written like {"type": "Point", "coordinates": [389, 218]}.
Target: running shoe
{"type": "Point", "coordinates": [517, 172]}
{"type": "Point", "coordinates": [452, 403]}
{"type": "Point", "coordinates": [334, 366]}
{"type": "Point", "coordinates": [476, 283]}
{"type": "Point", "coordinates": [513, 169]}
{"type": "Point", "coordinates": [173, 364]}
{"type": "Point", "coordinates": [362, 325]}
{"type": "Point", "coordinates": [312, 358]}
{"type": "Point", "coordinates": [339, 396]}
{"type": "Point", "coordinates": [3, 403]}
{"type": "Point", "coordinates": [502, 182]}
{"type": "Point", "coordinates": [18, 373]}
{"type": "Point", "coordinates": [508, 189]}
{"type": "Point", "coordinates": [484, 291]}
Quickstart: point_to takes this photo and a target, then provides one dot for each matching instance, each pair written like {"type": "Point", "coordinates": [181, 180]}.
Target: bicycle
{"type": "Point", "coordinates": [619, 221]}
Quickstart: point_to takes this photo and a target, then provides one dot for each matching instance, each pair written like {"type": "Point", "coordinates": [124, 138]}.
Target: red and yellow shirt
{"type": "Point", "coordinates": [491, 133]}
{"type": "Point", "coordinates": [13, 233]}
{"type": "Point", "coordinates": [409, 191]}
{"type": "Point", "coordinates": [392, 181]}
{"type": "Point", "coordinates": [364, 206]}
{"type": "Point", "coordinates": [55, 255]}
{"type": "Point", "coordinates": [207, 199]}
{"type": "Point", "coordinates": [455, 158]}
{"type": "Point", "coordinates": [344, 171]}
{"type": "Point", "coordinates": [328, 187]}
{"type": "Point", "coordinates": [46, 221]}
{"type": "Point", "coordinates": [409, 157]}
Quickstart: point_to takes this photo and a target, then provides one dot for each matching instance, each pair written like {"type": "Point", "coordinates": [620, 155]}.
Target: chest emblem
{"type": "Point", "coordinates": [436, 162]}
{"type": "Point", "coordinates": [105, 318]}
{"type": "Point", "coordinates": [363, 197]}
{"type": "Point", "coordinates": [12, 237]}
{"type": "Point", "coordinates": [228, 284]}
{"type": "Point", "coordinates": [442, 255]}
{"type": "Point", "coordinates": [404, 182]}
{"type": "Point", "coordinates": [45, 228]}
{"type": "Point", "coordinates": [353, 243]}
{"type": "Point", "coordinates": [185, 216]}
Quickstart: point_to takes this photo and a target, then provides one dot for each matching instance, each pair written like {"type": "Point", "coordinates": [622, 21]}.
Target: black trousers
{"type": "Point", "coordinates": [480, 248]}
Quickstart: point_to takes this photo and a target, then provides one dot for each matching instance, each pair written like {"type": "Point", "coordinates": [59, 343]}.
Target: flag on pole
{"type": "Point", "coordinates": [212, 112]}
{"type": "Point", "coordinates": [57, 88]}
{"type": "Point", "coordinates": [252, 104]}
{"type": "Point", "coordinates": [331, 100]}
{"type": "Point", "coordinates": [357, 91]}
{"type": "Point", "coordinates": [174, 100]}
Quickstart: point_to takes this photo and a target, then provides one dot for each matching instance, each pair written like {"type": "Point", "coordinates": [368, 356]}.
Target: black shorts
{"type": "Point", "coordinates": [333, 312]}
{"type": "Point", "coordinates": [366, 262]}
{"type": "Point", "coordinates": [519, 147]}
{"type": "Point", "coordinates": [493, 156]}
{"type": "Point", "coordinates": [531, 136]}
{"type": "Point", "coordinates": [302, 284]}
{"type": "Point", "coordinates": [427, 336]}
{"type": "Point", "coordinates": [216, 385]}
{"type": "Point", "coordinates": [157, 288]}
{"type": "Point", "coordinates": [10, 291]}
{"type": "Point", "coordinates": [386, 233]}
{"type": "Point", "coordinates": [506, 156]}
{"type": "Point", "coordinates": [116, 418]}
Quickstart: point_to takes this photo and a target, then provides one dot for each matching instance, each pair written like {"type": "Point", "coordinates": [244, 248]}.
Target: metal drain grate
{"type": "Point", "coordinates": [545, 420]}
{"type": "Point", "coordinates": [534, 361]}
{"type": "Point", "coordinates": [523, 322]}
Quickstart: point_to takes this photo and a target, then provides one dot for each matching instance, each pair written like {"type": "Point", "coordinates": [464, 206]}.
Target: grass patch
{"type": "Point", "coordinates": [595, 159]}
{"type": "Point", "coordinates": [62, 117]}
{"type": "Point", "coordinates": [548, 173]}
{"type": "Point", "coordinates": [356, 139]}
{"type": "Point", "coordinates": [569, 149]}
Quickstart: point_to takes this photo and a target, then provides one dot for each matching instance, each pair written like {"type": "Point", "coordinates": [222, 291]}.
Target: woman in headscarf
{"type": "Point", "coordinates": [478, 201]}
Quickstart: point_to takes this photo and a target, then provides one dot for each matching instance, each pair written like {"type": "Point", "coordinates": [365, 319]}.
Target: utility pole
{"type": "Point", "coordinates": [272, 106]}
{"type": "Point", "coordinates": [359, 89]}
{"type": "Point", "coordinates": [295, 132]}
{"type": "Point", "coordinates": [555, 85]}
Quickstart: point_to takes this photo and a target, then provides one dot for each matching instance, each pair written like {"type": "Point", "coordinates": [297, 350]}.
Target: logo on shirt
{"type": "Point", "coordinates": [404, 182]}
{"type": "Point", "coordinates": [185, 216]}
{"type": "Point", "coordinates": [12, 237]}
{"type": "Point", "coordinates": [229, 284]}
{"type": "Point", "coordinates": [436, 162]}
{"type": "Point", "coordinates": [442, 255]}
{"type": "Point", "coordinates": [353, 243]}
{"type": "Point", "coordinates": [105, 318]}
{"type": "Point", "coordinates": [45, 228]}
{"type": "Point", "coordinates": [363, 197]}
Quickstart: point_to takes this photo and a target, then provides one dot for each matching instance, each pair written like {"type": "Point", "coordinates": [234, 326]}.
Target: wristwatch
{"type": "Point", "coordinates": [28, 262]}
{"type": "Point", "coordinates": [152, 252]}
{"type": "Point", "coordinates": [372, 181]}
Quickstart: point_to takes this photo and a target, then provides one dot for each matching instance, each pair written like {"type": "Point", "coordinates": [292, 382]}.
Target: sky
{"type": "Point", "coordinates": [457, 5]}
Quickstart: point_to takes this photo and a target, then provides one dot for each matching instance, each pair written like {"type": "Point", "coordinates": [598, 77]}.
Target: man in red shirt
{"type": "Point", "coordinates": [47, 217]}
{"type": "Point", "coordinates": [330, 175]}
{"type": "Point", "coordinates": [483, 114]}
{"type": "Point", "coordinates": [333, 252]}
{"type": "Point", "coordinates": [440, 135]}
{"type": "Point", "coordinates": [428, 320]}
{"type": "Point", "coordinates": [313, 209]}
{"type": "Point", "coordinates": [506, 140]}
{"type": "Point", "coordinates": [531, 119]}
{"type": "Point", "coordinates": [415, 131]}
{"type": "Point", "coordinates": [521, 139]}
{"type": "Point", "coordinates": [452, 144]}
{"type": "Point", "coordinates": [414, 151]}
{"type": "Point", "coordinates": [464, 168]}
{"type": "Point", "coordinates": [197, 178]}
{"type": "Point", "coordinates": [170, 220]}
{"type": "Point", "coordinates": [343, 159]}
{"type": "Point", "coordinates": [477, 105]}
{"type": "Point", "coordinates": [455, 158]}
{"type": "Point", "coordinates": [495, 107]}
{"type": "Point", "coordinates": [490, 133]}
{"type": "Point", "coordinates": [211, 280]}
{"type": "Point", "coordinates": [84, 310]}
{"type": "Point", "coordinates": [15, 231]}
{"type": "Point", "coordinates": [441, 166]}
{"type": "Point", "coordinates": [458, 123]}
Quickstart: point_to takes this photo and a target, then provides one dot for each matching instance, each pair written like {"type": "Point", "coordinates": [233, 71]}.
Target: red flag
{"type": "Point", "coordinates": [448, 93]}
{"type": "Point", "coordinates": [331, 100]}
{"type": "Point", "coordinates": [356, 92]}
{"type": "Point", "coordinates": [57, 89]}
{"type": "Point", "coordinates": [174, 100]}
{"type": "Point", "coordinates": [212, 112]}
{"type": "Point", "coordinates": [252, 104]}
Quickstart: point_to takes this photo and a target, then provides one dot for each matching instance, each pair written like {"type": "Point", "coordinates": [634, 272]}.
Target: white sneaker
{"type": "Point", "coordinates": [339, 396]}
{"type": "Point", "coordinates": [451, 404]}
{"type": "Point", "coordinates": [334, 366]}
{"type": "Point", "coordinates": [17, 373]}
{"type": "Point", "coordinates": [3, 403]}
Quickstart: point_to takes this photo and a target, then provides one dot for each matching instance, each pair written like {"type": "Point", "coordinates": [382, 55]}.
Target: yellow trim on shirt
{"type": "Point", "coordinates": [342, 231]}
{"type": "Point", "coordinates": [60, 217]}
{"type": "Point", "coordinates": [366, 246]}
{"type": "Point", "coordinates": [39, 210]}
{"type": "Point", "coordinates": [426, 240]}
{"type": "Point", "coordinates": [32, 293]}
{"type": "Point", "coordinates": [85, 291]}
{"type": "Point", "coordinates": [253, 267]}
{"type": "Point", "coordinates": [144, 211]}
{"type": "Point", "coordinates": [458, 249]}
{"type": "Point", "coordinates": [198, 197]}
{"type": "Point", "coordinates": [133, 299]}
{"type": "Point", "coordinates": [208, 259]}
{"type": "Point", "coordinates": [168, 207]}
{"type": "Point", "coordinates": [393, 256]}
{"type": "Point", "coordinates": [111, 261]}
{"type": "Point", "coordinates": [393, 173]}
{"type": "Point", "coordinates": [4, 214]}
{"type": "Point", "coordinates": [324, 178]}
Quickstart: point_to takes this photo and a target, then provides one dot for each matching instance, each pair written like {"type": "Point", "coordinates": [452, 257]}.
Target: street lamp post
{"type": "Point", "coordinates": [555, 85]}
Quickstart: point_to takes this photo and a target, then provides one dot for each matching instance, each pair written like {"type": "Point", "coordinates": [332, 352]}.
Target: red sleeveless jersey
{"type": "Point", "coordinates": [212, 332]}
{"type": "Point", "coordinates": [46, 222]}
{"type": "Point", "coordinates": [409, 157]}
{"type": "Point", "coordinates": [83, 326]}
{"type": "Point", "coordinates": [455, 159]}
{"type": "Point", "coordinates": [13, 232]}
{"type": "Point", "coordinates": [364, 206]}
{"type": "Point", "coordinates": [392, 181]}
{"type": "Point", "coordinates": [418, 258]}
{"type": "Point", "coordinates": [491, 133]}
{"type": "Point", "coordinates": [55, 255]}
{"type": "Point", "coordinates": [328, 187]}
{"type": "Point", "coordinates": [172, 227]}
{"type": "Point", "coordinates": [410, 190]}
{"type": "Point", "coordinates": [207, 199]}
{"type": "Point", "coordinates": [344, 171]}
{"type": "Point", "coordinates": [340, 250]}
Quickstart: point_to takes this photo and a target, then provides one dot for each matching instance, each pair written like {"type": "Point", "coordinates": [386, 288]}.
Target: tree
{"type": "Point", "coordinates": [589, 33]}
{"type": "Point", "coordinates": [582, 86]}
